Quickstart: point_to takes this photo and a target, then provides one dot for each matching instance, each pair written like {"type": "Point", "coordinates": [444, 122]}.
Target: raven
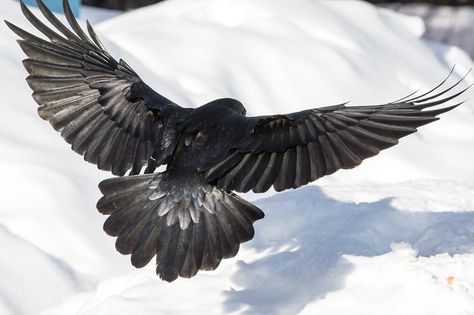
{"type": "Point", "coordinates": [188, 215]}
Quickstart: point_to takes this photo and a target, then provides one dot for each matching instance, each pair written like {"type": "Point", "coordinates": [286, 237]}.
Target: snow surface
{"type": "Point", "coordinates": [447, 24]}
{"type": "Point", "coordinates": [381, 239]}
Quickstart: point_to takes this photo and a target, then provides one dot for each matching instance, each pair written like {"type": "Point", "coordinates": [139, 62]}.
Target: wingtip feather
{"type": "Point", "coordinates": [24, 7]}
{"type": "Point", "coordinates": [15, 29]}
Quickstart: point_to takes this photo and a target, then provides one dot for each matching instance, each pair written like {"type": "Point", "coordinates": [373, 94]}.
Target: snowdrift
{"type": "Point", "coordinates": [383, 238]}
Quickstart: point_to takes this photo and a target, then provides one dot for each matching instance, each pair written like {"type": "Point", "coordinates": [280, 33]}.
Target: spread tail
{"type": "Point", "coordinates": [187, 223]}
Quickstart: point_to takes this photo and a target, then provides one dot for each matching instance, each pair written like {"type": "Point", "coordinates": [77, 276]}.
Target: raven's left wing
{"type": "Point", "coordinates": [100, 106]}
{"type": "Point", "coordinates": [288, 151]}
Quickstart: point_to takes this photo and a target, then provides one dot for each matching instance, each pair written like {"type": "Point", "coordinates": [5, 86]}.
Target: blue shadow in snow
{"type": "Point", "coordinates": [322, 230]}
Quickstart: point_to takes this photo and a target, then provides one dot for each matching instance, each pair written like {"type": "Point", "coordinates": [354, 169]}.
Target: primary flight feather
{"type": "Point", "coordinates": [188, 216]}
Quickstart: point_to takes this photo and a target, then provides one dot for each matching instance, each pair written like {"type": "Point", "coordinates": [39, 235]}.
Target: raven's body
{"type": "Point", "coordinates": [207, 132]}
{"type": "Point", "coordinates": [188, 216]}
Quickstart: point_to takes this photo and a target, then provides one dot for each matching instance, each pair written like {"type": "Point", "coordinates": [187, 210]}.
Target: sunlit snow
{"type": "Point", "coordinates": [381, 239]}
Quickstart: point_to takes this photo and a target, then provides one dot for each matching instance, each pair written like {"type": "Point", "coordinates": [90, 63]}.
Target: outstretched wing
{"type": "Point", "coordinates": [288, 151]}
{"type": "Point", "coordinates": [100, 106]}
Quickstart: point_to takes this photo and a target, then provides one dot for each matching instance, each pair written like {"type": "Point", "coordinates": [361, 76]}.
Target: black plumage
{"type": "Point", "coordinates": [188, 216]}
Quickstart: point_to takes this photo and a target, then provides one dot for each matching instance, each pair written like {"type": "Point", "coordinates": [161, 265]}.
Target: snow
{"type": "Point", "coordinates": [95, 15]}
{"type": "Point", "coordinates": [380, 239]}
{"type": "Point", "coordinates": [446, 24]}
{"type": "Point", "coordinates": [20, 279]}
{"type": "Point", "coordinates": [398, 269]}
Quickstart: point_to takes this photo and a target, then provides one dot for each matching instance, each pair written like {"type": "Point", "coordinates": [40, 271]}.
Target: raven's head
{"type": "Point", "coordinates": [233, 104]}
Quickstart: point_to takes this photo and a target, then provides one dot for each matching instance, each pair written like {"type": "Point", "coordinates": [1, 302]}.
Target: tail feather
{"type": "Point", "coordinates": [123, 193]}
{"type": "Point", "coordinates": [228, 240]}
{"type": "Point", "coordinates": [241, 223]}
{"type": "Point", "coordinates": [246, 208]}
{"type": "Point", "coordinates": [130, 234]}
{"type": "Point", "coordinates": [212, 244]}
{"type": "Point", "coordinates": [194, 255]}
{"type": "Point", "coordinates": [113, 185]}
{"type": "Point", "coordinates": [145, 248]}
{"type": "Point", "coordinates": [188, 224]}
{"type": "Point", "coordinates": [120, 218]}
{"type": "Point", "coordinates": [166, 263]}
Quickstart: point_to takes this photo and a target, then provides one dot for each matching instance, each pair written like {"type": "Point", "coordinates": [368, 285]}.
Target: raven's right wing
{"type": "Point", "coordinates": [291, 150]}
{"type": "Point", "coordinates": [100, 106]}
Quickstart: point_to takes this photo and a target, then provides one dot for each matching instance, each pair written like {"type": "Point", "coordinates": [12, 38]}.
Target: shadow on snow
{"type": "Point", "coordinates": [309, 232]}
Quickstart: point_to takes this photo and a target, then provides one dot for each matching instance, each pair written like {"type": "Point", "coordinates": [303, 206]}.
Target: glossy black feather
{"type": "Point", "coordinates": [327, 139]}
{"type": "Point", "coordinates": [73, 69]}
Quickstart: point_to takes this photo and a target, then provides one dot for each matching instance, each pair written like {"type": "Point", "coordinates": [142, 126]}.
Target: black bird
{"type": "Point", "coordinates": [188, 215]}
